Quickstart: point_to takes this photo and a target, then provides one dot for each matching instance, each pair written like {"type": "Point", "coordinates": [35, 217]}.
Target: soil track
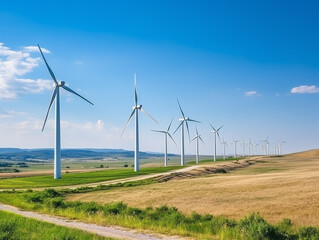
{"type": "Point", "coordinates": [110, 231]}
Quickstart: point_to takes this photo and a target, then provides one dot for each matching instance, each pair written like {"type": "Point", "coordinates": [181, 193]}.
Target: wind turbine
{"type": "Point", "coordinates": [225, 144]}
{"type": "Point", "coordinates": [183, 120]}
{"type": "Point", "coordinates": [215, 133]}
{"type": "Point", "coordinates": [250, 147]}
{"type": "Point", "coordinates": [266, 146]}
{"type": "Point", "coordinates": [166, 133]}
{"type": "Point", "coordinates": [197, 137]}
{"type": "Point", "coordinates": [280, 146]}
{"type": "Point", "coordinates": [243, 145]}
{"type": "Point", "coordinates": [235, 142]}
{"type": "Point", "coordinates": [56, 97]}
{"type": "Point", "coordinates": [136, 108]}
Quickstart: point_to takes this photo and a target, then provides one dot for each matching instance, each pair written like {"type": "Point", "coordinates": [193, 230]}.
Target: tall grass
{"type": "Point", "coordinates": [164, 219]}
{"type": "Point", "coordinates": [13, 226]}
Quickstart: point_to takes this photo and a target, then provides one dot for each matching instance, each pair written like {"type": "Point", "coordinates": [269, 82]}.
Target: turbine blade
{"type": "Point", "coordinates": [172, 138]}
{"type": "Point", "coordinates": [178, 127]}
{"type": "Point", "coordinates": [200, 138]}
{"type": "Point", "coordinates": [148, 115]}
{"type": "Point", "coordinates": [50, 71]}
{"type": "Point", "coordinates": [128, 121]}
{"type": "Point", "coordinates": [169, 125]}
{"type": "Point", "coordinates": [212, 127]}
{"type": "Point", "coordinates": [188, 130]}
{"type": "Point", "coordinates": [158, 131]}
{"type": "Point", "coordinates": [135, 92]}
{"type": "Point", "coordinates": [50, 105]}
{"type": "Point", "coordinates": [218, 135]}
{"type": "Point", "coordinates": [196, 131]}
{"type": "Point", "coordinates": [180, 108]}
{"type": "Point", "coordinates": [193, 138]}
{"type": "Point", "coordinates": [71, 91]}
{"type": "Point", "coordinates": [192, 120]}
{"type": "Point", "coordinates": [220, 128]}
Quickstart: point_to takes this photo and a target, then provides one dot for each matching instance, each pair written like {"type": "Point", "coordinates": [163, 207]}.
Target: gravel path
{"type": "Point", "coordinates": [114, 232]}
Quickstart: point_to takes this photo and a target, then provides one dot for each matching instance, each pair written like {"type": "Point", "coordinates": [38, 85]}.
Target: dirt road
{"type": "Point", "coordinates": [110, 231]}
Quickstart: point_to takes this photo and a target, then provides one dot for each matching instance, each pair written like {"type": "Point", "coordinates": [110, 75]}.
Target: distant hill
{"type": "Point", "coordinates": [309, 153]}
{"type": "Point", "coordinates": [47, 154]}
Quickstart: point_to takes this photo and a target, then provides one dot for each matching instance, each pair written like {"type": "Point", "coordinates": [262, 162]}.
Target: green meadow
{"type": "Point", "coordinates": [69, 179]}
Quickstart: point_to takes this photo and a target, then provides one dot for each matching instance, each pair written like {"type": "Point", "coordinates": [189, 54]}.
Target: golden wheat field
{"type": "Point", "coordinates": [276, 187]}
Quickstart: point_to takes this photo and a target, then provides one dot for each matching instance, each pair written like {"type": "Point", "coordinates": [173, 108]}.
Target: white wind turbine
{"type": "Point", "coordinates": [166, 133]}
{"type": "Point", "coordinates": [243, 145]}
{"type": "Point", "coordinates": [225, 144]}
{"type": "Point", "coordinates": [216, 132]}
{"type": "Point", "coordinates": [56, 97]}
{"type": "Point", "coordinates": [235, 143]}
{"type": "Point", "coordinates": [280, 146]}
{"type": "Point", "coordinates": [197, 137]}
{"type": "Point", "coordinates": [183, 120]}
{"type": "Point", "coordinates": [249, 147]}
{"type": "Point", "coordinates": [136, 108]}
{"type": "Point", "coordinates": [266, 146]}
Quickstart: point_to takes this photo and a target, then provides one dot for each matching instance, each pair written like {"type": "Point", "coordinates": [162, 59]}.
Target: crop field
{"type": "Point", "coordinates": [13, 226]}
{"type": "Point", "coordinates": [79, 178]}
{"type": "Point", "coordinates": [276, 187]}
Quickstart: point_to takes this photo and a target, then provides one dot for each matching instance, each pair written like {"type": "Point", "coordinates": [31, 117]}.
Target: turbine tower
{"type": "Point", "coordinates": [136, 108]}
{"type": "Point", "coordinates": [56, 97]}
{"type": "Point", "coordinates": [215, 133]}
{"type": "Point", "coordinates": [235, 143]}
{"type": "Point", "coordinates": [181, 125]}
{"type": "Point", "coordinates": [197, 137]}
{"type": "Point", "coordinates": [166, 133]}
{"type": "Point", "coordinates": [225, 144]}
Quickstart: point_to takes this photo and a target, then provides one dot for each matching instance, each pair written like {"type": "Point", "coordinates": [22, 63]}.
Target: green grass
{"type": "Point", "coordinates": [164, 219]}
{"type": "Point", "coordinates": [13, 226]}
{"type": "Point", "coordinates": [79, 178]}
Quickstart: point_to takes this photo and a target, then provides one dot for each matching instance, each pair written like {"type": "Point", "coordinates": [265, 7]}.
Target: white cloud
{"type": "Point", "coordinates": [305, 89]}
{"type": "Point", "coordinates": [35, 49]}
{"type": "Point", "coordinates": [251, 93]}
{"type": "Point", "coordinates": [10, 113]}
{"type": "Point", "coordinates": [15, 64]}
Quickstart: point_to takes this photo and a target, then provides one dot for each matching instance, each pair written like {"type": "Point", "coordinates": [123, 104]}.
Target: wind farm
{"type": "Point", "coordinates": [221, 141]}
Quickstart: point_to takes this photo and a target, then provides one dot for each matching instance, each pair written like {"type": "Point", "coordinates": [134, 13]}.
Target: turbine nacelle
{"type": "Point", "coordinates": [183, 119]}
{"type": "Point", "coordinates": [61, 83]}
{"type": "Point", "coordinates": [137, 107]}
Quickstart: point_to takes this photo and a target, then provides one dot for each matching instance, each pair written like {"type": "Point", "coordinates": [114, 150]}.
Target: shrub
{"type": "Point", "coordinates": [91, 207]}
{"type": "Point", "coordinates": [114, 208]}
{"type": "Point", "coordinates": [285, 225]}
{"type": "Point", "coordinates": [256, 228]}
{"type": "Point", "coordinates": [308, 233]}
{"type": "Point", "coordinates": [56, 203]}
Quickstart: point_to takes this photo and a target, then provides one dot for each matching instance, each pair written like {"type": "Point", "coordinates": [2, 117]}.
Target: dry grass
{"type": "Point", "coordinates": [284, 187]}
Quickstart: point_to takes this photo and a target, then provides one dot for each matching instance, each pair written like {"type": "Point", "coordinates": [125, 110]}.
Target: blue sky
{"type": "Point", "coordinates": [252, 66]}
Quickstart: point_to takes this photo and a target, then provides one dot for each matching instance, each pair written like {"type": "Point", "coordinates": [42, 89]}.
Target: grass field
{"type": "Point", "coordinates": [163, 219]}
{"type": "Point", "coordinates": [277, 188]}
{"type": "Point", "coordinates": [213, 206]}
{"type": "Point", "coordinates": [13, 226]}
{"type": "Point", "coordinates": [79, 178]}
